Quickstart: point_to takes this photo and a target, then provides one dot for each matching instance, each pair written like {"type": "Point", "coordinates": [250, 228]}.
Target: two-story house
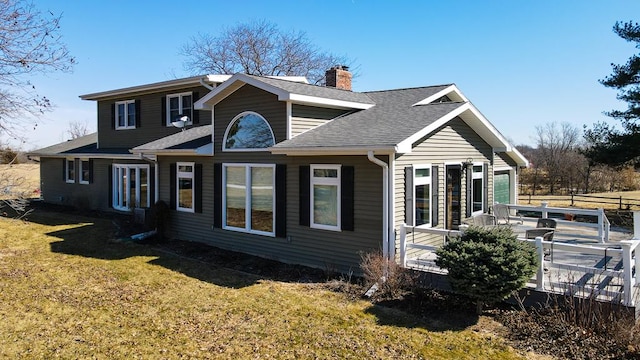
{"type": "Point", "coordinates": [282, 169]}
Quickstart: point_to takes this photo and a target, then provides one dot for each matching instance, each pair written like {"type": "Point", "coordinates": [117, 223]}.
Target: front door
{"type": "Point", "coordinates": [453, 203]}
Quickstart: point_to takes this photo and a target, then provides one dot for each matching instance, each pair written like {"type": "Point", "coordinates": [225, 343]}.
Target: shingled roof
{"type": "Point", "coordinates": [190, 140]}
{"type": "Point", "coordinates": [390, 121]}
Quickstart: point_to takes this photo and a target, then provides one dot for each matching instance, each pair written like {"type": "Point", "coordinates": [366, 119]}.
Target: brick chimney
{"type": "Point", "coordinates": [338, 77]}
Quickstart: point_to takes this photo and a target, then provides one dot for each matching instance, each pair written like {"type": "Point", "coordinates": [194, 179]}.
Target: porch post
{"type": "Point", "coordinates": [636, 225]}
{"type": "Point", "coordinates": [540, 273]}
{"type": "Point", "coordinates": [627, 268]}
{"type": "Point", "coordinates": [403, 246]}
{"type": "Point", "coordinates": [544, 205]}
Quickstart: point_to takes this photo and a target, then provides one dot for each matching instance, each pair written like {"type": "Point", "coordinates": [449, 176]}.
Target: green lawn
{"type": "Point", "coordinates": [68, 291]}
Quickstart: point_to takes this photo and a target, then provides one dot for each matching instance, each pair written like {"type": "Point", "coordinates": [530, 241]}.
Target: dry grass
{"type": "Point", "coordinates": [22, 178]}
{"type": "Point", "coordinates": [69, 291]}
{"type": "Point", "coordinates": [565, 200]}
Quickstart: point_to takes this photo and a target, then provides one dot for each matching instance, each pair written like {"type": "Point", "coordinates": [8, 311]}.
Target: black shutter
{"type": "Point", "coordinates": [196, 114]}
{"type": "Point", "coordinates": [163, 111]}
{"type": "Point", "coordinates": [110, 181]}
{"type": "Point", "coordinates": [152, 185]}
{"type": "Point", "coordinates": [90, 171]}
{"type": "Point", "coordinates": [435, 190]}
{"type": "Point", "coordinates": [217, 195]}
{"type": "Point", "coordinates": [281, 200]}
{"type": "Point", "coordinates": [172, 186]}
{"type": "Point", "coordinates": [113, 115]}
{"type": "Point", "coordinates": [347, 198]}
{"type": "Point", "coordinates": [409, 207]}
{"type": "Point", "coordinates": [469, 190]}
{"type": "Point", "coordinates": [64, 170]}
{"type": "Point", "coordinates": [485, 182]}
{"type": "Point", "coordinates": [304, 194]}
{"type": "Point", "coordinates": [138, 117]}
{"type": "Point", "coordinates": [197, 179]}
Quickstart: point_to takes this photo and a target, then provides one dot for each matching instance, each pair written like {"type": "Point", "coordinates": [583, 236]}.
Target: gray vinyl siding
{"type": "Point", "coordinates": [307, 117]}
{"type": "Point", "coordinates": [453, 143]}
{"type": "Point", "coordinates": [152, 123]}
{"type": "Point", "coordinates": [56, 190]}
{"type": "Point", "coordinates": [186, 225]}
{"type": "Point", "coordinates": [334, 250]}
{"type": "Point", "coordinates": [502, 160]}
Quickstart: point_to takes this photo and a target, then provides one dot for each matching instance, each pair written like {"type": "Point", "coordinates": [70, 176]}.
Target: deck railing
{"type": "Point", "coordinates": [613, 278]}
{"type": "Point", "coordinates": [603, 226]}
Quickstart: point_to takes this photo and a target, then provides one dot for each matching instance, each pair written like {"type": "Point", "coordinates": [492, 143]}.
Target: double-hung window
{"type": "Point", "coordinates": [325, 197]}
{"type": "Point", "coordinates": [185, 186]}
{"type": "Point", "coordinates": [249, 198]}
{"type": "Point", "coordinates": [179, 105]}
{"type": "Point", "coordinates": [125, 115]}
{"type": "Point", "coordinates": [477, 186]}
{"type": "Point", "coordinates": [70, 170]}
{"type": "Point", "coordinates": [422, 195]}
{"type": "Point", "coordinates": [85, 171]}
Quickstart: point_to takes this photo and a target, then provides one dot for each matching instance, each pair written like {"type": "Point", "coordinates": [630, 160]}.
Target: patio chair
{"type": "Point", "coordinates": [546, 223]}
{"type": "Point", "coordinates": [484, 220]}
{"type": "Point", "coordinates": [546, 233]}
{"type": "Point", "coordinates": [501, 212]}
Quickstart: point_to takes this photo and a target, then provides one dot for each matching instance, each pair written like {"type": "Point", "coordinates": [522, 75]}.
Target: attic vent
{"type": "Point", "coordinates": [443, 99]}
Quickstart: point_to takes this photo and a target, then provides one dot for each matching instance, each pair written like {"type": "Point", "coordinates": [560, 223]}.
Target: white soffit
{"type": "Point", "coordinates": [451, 91]}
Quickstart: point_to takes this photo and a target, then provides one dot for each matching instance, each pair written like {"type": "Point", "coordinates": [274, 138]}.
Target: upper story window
{"type": "Point", "coordinates": [248, 132]}
{"type": "Point", "coordinates": [179, 105]}
{"type": "Point", "coordinates": [125, 114]}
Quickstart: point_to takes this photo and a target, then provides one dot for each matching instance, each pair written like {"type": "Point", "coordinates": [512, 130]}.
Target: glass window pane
{"type": "Point", "coordinates": [250, 131]}
{"type": "Point", "coordinates": [325, 205]}
{"type": "Point", "coordinates": [121, 114]}
{"type": "Point", "coordinates": [185, 193]}
{"type": "Point", "coordinates": [477, 195]}
{"type": "Point", "coordinates": [423, 172]}
{"type": "Point", "coordinates": [423, 212]}
{"type": "Point", "coordinates": [477, 168]}
{"type": "Point", "coordinates": [262, 199]}
{"type": "Point", "coordinates": [144, 186]}
{"type": "Point", "coordinates": [186, 105]}
{"type": "Point", "coordinates": [185, 168]}
{"type": "Point", "coordinates": [131, 114]}
{"type": "Point", "coordinates": [330, 173]}
{"type": "Point", "coordinates": [71, 171]}
{"type": "Point", "coordinates": [132, 188]}
{"type": "Point", "coordinates": [84, 174]}
{"type": "Point", "coordinates": [236, 189]}
{"type": "Point", "coordinates": [123, 180]}
{"type": "Point", "coordinates": [174, 103]}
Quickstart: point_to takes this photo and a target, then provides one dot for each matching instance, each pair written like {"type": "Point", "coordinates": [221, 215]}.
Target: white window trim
{"type": "Point", "coordinates": [180, 107]}
{"type": "Point", "coordinates": [116, 182]}
{"type": "Point", "coordinates": [325, 181]}
{"type": "Point", "coordinates": [80, 177]}
{"type": "Point", "coordinates": [66, 171]}
{"type": "Point", "coordinates": [126, 115]}
{"type": "Point", "coordinates": [247, 209]}
{"type": "Point", "coordinates": [478, 175]}
{"type": "Point", "coordinates": [185, 175]}
{"type": "Point", "coordinates": [226, 133]}
{"type": "Point", "coordinates": [422, 181]}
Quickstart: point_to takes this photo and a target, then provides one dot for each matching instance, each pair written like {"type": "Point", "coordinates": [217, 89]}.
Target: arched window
{"type": "Point", "coordinates": [248, 131]}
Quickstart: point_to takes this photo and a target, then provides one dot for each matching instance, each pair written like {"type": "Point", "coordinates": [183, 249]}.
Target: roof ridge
{"type": "Point", "coordinates": [408, 88]}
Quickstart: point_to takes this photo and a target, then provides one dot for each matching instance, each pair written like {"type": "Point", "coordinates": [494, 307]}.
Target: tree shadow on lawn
{"type": "Point", "coordinates": [428, 309]}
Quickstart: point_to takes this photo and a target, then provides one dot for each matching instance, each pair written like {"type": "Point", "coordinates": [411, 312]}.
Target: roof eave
{"type": "Point", "coordinates": [326, 151]}
{"type": "Point", "coordinates": [194, 80]}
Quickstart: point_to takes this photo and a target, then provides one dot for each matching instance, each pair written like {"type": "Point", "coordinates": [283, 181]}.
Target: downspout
{"type": "Point", "coordinates": [385, 204]}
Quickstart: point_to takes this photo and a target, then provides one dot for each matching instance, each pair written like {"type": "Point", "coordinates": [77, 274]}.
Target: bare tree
{"type": "Point", "coordinates": [555, 146]}
{"type": "Point", "coordinates": [30, 45]}
{"type": "Point", "coordinates": [77, 129]}
{"type": "Point", "coordinates": [258, 48]}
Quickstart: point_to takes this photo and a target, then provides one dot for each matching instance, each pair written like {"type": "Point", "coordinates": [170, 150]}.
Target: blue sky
{"type": "Point", "coordinates": [522, 63]}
